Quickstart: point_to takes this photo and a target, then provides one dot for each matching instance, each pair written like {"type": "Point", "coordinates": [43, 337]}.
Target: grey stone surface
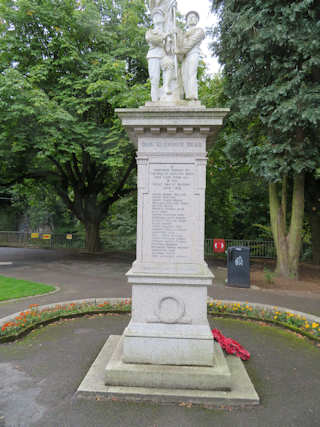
{"type": "Point", "coordinates": [118, 373]}
{"type": "Point", "coordinates": [55, 359]}
{"type": "Point", "coordinates": [158, 119]}
{"type": "Point", "coordinates": [170, 277]}
{"type": "Point", "coordinates": [178, 350]}
{"type": "Point", "coordinates": [242, 393]}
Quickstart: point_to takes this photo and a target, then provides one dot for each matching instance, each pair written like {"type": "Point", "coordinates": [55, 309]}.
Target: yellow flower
{"type": "Point", "coordinates": [275, 317]}
{"type": "Point", "coordinates": [315, 325]}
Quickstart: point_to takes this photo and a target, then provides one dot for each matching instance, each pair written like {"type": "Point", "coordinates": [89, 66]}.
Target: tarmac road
{"type": "Point", "coordinates": [103, 276]}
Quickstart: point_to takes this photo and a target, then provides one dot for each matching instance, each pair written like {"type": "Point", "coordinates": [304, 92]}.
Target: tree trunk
{"type": "Point", "coordinates": [312, 195]}
{"type": "Point", "coordinates": [296, 226]}
{"type": "Point", "coordinates": [315, 237]}
{"type": "Point", "coordinates": [278, 226]}
{"type": "Point", "coordinates": [288, 245]}
{"type": "Point", "coordinates": [93, 243]}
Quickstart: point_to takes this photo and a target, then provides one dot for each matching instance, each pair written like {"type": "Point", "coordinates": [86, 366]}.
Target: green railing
{"type": "Point", "coordinates": [258, 248]}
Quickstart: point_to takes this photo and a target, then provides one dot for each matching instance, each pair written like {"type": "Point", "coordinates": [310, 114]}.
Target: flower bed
{"type": "Point", "coordinates": [35, 317]}
{"type": "Point", "coordinates": [292, 321]}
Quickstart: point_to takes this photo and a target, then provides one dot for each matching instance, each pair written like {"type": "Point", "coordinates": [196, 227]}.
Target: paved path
{"type": "Point", "coordinates": [40, 374]}
{"type": "Point", "coordinates": [83, 276]}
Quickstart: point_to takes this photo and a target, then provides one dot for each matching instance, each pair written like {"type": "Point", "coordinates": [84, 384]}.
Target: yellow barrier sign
{"type": "Point", "coordinates": [69, 236]}
{"type": "Point", "coordinates": [34, 235]}
{"type": "Point", "coordinates": [46, 236]}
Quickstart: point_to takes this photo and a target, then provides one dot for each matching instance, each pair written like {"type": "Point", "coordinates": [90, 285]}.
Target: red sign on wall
{"type": "Point", "coordinates": [219, 245]}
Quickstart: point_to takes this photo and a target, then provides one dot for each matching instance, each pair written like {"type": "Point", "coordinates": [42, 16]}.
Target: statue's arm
{"type": "Point", "coordinates": [191, 38]}
{"type": "Point", "coordinates": [155, 38]}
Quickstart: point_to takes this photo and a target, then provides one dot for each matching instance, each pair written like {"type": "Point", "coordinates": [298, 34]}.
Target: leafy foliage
{"type": "Point", "coordinates": [235, 199]}
{"type": "Point", "coordinates": [272, 67]}
{"type": "Point", "coordinates": [64, 67]}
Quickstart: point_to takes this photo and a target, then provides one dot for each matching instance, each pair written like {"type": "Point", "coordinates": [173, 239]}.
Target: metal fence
{"type": "Point", "coordinates": [43, 240]}
{"type": "Point", "coordinates": [258, 248]}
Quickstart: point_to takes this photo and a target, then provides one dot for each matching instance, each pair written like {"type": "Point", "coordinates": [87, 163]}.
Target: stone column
{"type": "Point", "coordinates": [169, 278]}
{"type": "Point", "coordinates": [167, 352]}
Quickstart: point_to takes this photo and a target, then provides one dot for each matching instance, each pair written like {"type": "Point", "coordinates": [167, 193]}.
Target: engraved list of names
{"type": "Point", "coordinates": [171, 198]}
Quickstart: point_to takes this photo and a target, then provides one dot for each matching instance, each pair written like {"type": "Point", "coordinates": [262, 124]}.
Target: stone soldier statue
{"type": "Point", "coordinates": [168, 66]}
{"type": "Point", "coordinates": [167, 7]}
{"type": "Point", "coordinates": [191, 41]}
{"type": "Point", "coordinates": [168, 48]}
{"type": "Point", "coordinates": [162, 42]}
{"type": "Point", "coordinates": [155, 38]}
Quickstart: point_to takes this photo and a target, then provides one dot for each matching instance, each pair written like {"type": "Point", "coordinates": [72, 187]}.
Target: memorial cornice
{"type": "Point", "coordinates": [171, 120]}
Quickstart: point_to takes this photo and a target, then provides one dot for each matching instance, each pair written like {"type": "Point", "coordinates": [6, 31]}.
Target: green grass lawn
{"type": "Point", "coordinates": [11, 288]}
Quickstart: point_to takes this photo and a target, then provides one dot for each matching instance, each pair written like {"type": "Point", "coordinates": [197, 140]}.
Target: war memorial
{"type": "Point", "coordinates": [167, 352]}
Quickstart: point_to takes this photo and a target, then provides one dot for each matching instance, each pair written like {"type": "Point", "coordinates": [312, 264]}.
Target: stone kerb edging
{"type": "Point", "coordinates": [309, 317]}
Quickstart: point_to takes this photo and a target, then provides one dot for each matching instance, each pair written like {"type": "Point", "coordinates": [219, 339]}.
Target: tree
{"type": "Point", "coordinates": [312, 186]}
{"type": "Point", "coordinates": [9, 214]}
{"type": "Point", "coordinates": [64, 67]}
{"type": "Point", "coordinates": [271, 59]}
{"type": "Point", "coordinates": [41, 209]}
{"type": "Point", "coordinates": [235, 199]}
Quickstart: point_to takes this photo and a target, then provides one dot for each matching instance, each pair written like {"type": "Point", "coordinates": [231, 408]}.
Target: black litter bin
{"type": "Point", "coordinates": [238, 263]}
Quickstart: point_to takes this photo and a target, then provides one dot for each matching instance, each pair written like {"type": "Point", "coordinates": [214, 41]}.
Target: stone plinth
{"type": "Point", "coordinates": [123, 381]}
{"type": "Point", "coordinates": [170, 277]}
{"type": "Point", "coordinates": [167, 352]}
{"type": "Point", "coordinates": [217, 377]}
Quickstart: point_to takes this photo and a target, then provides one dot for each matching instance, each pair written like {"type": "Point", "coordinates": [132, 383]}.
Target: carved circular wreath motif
{"type": "Point", "coordinates": [170, 309]}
